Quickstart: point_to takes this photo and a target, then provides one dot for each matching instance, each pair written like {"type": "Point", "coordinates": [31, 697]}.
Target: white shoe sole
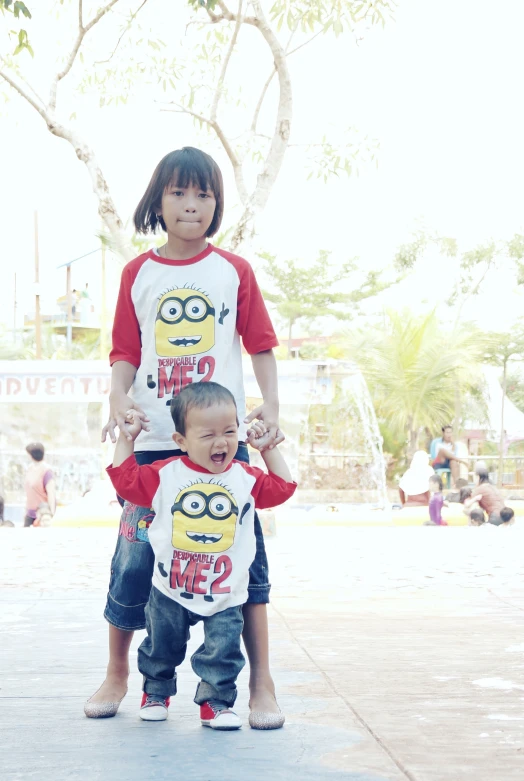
{"type": "Point", "coordinates": [223, 724]}
{"type": "Point", "coordinates": [154, 713]}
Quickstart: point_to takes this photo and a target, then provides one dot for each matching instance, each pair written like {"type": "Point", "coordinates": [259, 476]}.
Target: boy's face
{"type": "Point", "coordinates": [211, 438]}
{"type": "Point", "coordinates": [188, 212]}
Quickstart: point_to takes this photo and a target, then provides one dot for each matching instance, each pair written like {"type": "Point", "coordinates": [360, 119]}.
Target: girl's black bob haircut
{"type": "Point", "coordinates": [183, 167]}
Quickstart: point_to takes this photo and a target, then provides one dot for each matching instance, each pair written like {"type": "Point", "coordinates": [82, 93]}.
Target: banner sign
{"type": "Point", "coordinates": [85, 381]}
{"type": "Point", "coordinates": [54, 381]}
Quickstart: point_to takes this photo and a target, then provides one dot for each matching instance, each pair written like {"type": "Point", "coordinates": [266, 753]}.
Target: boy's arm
{"type": "Point", "coordinates": [274, 460]}
{"type": "Point", "coordinates": [265, 368]}
{"type": "Point", "coordinates": [276, 487]}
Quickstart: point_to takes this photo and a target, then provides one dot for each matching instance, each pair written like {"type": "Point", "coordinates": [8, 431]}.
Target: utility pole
{"type": "Point", "coordinates": [103, 309]}
{"type": "Point", "coordinates": [15, 304]}
{"type": "Point", "coordinates": [38, 322]}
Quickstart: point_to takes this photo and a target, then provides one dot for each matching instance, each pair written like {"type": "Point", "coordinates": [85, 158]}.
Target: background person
{"type": "Point", "coordinates": [413, 485]}
{"type": "Point", "coordinates": [486, 495]}
{"type": "Point", "coordinates": [436, 502]}
{"type": "Point", "coordinates": [40, 486]}
{"type": "Point", "coordinates": [445, 456]}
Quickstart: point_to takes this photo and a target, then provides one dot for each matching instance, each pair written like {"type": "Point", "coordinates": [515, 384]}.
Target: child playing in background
{"type": "Point", "coordinates": [436, 502]}
{"type": "Point", "coordinates": [507, 518]}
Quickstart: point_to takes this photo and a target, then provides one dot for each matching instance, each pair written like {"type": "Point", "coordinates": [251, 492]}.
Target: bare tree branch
{"type": "Point", "coordinates": [124, 31]}
{"type": "Point", "coordinates": [82, 31]}
{"type": "Point", "coordinates": [227, 58]}
{"type": "Point", "coordinates": [235, 162]}
{"type": "Point", "coordinates": [41, 109]}
{"type": "Point", "coordinates": [19, 76]}
{"type": "Point", "coordinates": [270, 77]}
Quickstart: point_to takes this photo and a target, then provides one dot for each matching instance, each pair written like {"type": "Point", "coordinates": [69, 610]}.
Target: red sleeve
{"type": "Point", "coordinates": [269, 489]}
{"type": "Point", "coordinates": [127, 339]}
{"type": "Point", "coordinates": [253, 321]}
{"type": "Point", "coordinates": [136, 484]}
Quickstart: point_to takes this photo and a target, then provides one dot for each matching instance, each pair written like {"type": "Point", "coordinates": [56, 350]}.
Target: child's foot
{"type": "Point", "coordinates": [154, 707]}
{"type": "Point", "coordinates": [105, 702]}
{"type": "Point", "coordinates": [217, 715]}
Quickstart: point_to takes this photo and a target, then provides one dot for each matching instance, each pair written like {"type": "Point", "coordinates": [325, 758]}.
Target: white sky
{"type": "Point", "coordinates": [439, 88]}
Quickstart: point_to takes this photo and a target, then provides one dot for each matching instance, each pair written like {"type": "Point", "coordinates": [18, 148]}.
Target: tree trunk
{"type": "Point", "coordinates": [289, 333]}
{"type": "Point", "coordinates": [412, 440]}
{"type": "Point", "coordinates": [245, 228]}
{"type": "Point", "coordinates": [502, 432]}
{"type": "Point", "coordinates": [106, 206]}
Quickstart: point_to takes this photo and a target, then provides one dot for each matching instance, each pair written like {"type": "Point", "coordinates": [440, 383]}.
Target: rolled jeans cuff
{"type": "Point", "coordinates": [206, 692]}
{"type": "Point", "coordinates": [161, 688]}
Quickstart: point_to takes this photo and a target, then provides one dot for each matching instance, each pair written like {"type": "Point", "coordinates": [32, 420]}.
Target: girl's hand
{"type": "Point", "coordinates": [119, 405]}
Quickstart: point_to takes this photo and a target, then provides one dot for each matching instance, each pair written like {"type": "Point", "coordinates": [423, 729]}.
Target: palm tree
{"type": "Point", "coordinates": [412, 366]}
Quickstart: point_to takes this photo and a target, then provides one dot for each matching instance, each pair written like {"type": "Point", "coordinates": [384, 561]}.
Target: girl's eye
{"type": "Point", "coordinates": [177, 192]}
{"type": "Point", "coordinates": [220, 506]}
{"type": "Point", "coordinates": [171, 310]}
{"type": "Point", "coordinates": [193, 504]}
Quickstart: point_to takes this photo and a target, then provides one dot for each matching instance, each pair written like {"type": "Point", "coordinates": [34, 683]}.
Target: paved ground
{"type": "Point", "coordinates": [398, 654]}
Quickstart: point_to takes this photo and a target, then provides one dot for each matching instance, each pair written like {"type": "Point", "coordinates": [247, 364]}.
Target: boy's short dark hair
{"type": "Point", "coordinates": [506, 514]}
{"type": "Point", "coordinates": [36, 450]}
{"type": "Point", "coordinates": [478, 516]}
{"type": "Point", "coordinates": [445, 428]}
{"type": "Point", "coordinates": [199, 395]}
{"type": "Point", "coordinates": [437, 479]}
{"type": "Point", "coordinates": [183, 167]}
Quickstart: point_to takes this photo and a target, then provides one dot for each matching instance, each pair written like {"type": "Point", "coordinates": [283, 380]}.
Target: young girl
{"type": "Point", "coordinates": [436, 502]}
{"type": "Point", "coordinates": [180, 314]}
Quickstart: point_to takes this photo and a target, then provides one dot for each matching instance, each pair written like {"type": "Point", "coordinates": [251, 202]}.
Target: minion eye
{"type": "Point", "coordinates": [193, 504]}
{"type": "Point", "coordinates": [220, 506]}
{"type": "Point", "coordinates": [195, 308]}
{"type": "Point", "coordinates": [171, 310]}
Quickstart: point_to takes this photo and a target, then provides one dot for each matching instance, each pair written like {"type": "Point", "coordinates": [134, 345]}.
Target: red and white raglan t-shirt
{"type": "Point", "coordinates": [180, 321]}
{"type": "Point", "coordinates": [202, 533]}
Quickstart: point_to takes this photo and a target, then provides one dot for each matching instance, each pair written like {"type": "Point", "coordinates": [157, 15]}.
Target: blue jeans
{"type": "Point", "coordinates": [217, 662]}
{"type": "Point", "coordinates": [133, 561]}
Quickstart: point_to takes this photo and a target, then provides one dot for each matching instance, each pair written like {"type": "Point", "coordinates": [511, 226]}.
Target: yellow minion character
{"type": "Point", "coordinates": [204, 518]}
{"type": "Point", "coordinates": [185, 323]}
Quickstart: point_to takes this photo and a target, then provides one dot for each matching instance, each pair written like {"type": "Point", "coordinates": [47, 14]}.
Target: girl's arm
{"type": "Point", "coordinates": [265, 368]}
{"type": "Point", "coordinates": [122, 376]}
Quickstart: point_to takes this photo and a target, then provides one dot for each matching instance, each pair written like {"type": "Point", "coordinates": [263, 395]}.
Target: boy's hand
{"type": "Point", "coordinates": [268, 414]}
{"type": "Point", "coordinates": [258, 436]}
{"type": "Point", "coordinates": [133, 425]}
{"type": "Point", "coordinates": [119, 405]}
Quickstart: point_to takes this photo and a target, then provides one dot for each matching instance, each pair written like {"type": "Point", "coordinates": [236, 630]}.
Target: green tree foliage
{"type": "Point", "coordinates": [502, 349]}
{"type": "Point", "coordinates": [412, 365]}
{"type": "Point", "coordinates": [18, 11]}
{"type": "Point", "coordinates": [317, 290]}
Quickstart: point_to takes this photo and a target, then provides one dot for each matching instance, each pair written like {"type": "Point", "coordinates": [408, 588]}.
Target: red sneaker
{"type": "Point", "coordinates": [217, 715]}
{"type": "Point", "coordinates": [154, 707]}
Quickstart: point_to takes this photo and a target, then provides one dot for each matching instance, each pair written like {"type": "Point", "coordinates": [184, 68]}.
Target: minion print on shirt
{"type": "Point", "coordinates": [185, 323]}
{"type": "Point", "coordinates": [204, 518]}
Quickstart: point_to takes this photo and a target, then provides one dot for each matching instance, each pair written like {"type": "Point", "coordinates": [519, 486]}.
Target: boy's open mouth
{"type": "Point", "coordinates": [218, 458]}
{"type": "Point", "coordinates": [204, 538]}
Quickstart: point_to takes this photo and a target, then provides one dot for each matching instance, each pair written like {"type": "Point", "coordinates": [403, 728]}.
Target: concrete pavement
{"type": "Point", "coordinates": [398, 654]}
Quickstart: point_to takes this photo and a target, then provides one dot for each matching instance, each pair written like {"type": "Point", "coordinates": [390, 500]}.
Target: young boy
{"type": "Point", "coordinates": [203, 541]}
{"type": "Point", "coordinates": [477, 516]}
{"type": "Point", "coordinates": [507, 518]}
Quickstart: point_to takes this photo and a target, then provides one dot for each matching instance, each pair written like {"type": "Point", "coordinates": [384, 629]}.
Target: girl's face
{"type": "Point", "coordinates": [433, 487]}
{"type": "Point", "coordinates": [187, 212]}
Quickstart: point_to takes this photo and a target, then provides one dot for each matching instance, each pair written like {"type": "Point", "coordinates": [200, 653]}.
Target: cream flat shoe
{"type": "Point", "coordinates": [263, 720]}
{"type": "Point", "coordinates": [102, 710]}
